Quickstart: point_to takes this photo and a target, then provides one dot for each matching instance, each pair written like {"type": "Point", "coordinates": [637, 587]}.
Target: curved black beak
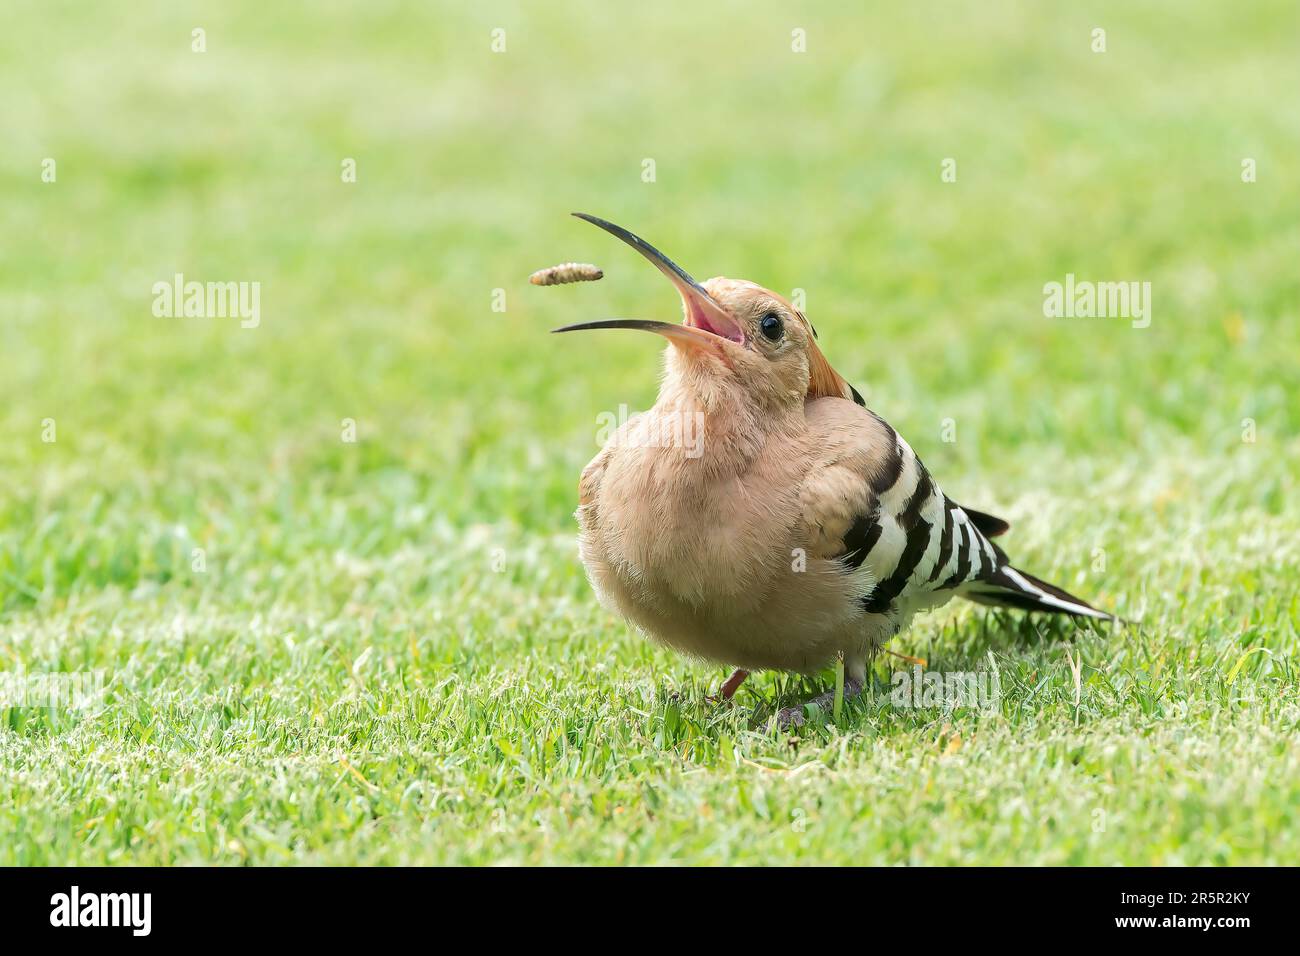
{"type": "Point", "coordinates": [702, 313]}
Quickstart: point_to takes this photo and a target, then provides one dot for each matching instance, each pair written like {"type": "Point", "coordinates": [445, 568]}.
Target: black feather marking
{"type": "Point", "coordinates": [912, 513]}
{"type": "Point", "coordinates": [891, 467]}
{"type": "Point", "coordinates": [945, 542]}
{"type": "Point", "coordinates": [1058, 593]}
{"type": "Point", "coordinates": [1026, 602]}
{"type": "Point", "coordinates": [879, 601]}
{"type": "Point", "coordinates": [918, 540]}
{"type": "Point", "coordinates": [861, 538]}
{"type": "Point", "coordinates": [963, 560]}
{"type": "Point", "coordinates": [857, 396]}
{"type": "Point", "coordinates": [1002, 590]}
{"type": "Point", "coordinates": [987, 524]}
{"type": "Point", "coordinates": [1021, 602]}
{"type": "Point", "coordinates": [976, 558]}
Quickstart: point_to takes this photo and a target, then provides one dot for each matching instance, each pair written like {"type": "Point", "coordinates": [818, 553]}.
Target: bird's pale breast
{"type": "Point", "coordinates": [715, 555]}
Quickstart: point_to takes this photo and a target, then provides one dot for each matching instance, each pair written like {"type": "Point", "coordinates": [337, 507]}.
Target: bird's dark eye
{"type": "Point", "coordinates": [772, 327]}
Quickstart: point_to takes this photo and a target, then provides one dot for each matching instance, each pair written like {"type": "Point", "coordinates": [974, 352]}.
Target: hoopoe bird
{"type": "Point", "coordinates": [798, 527]}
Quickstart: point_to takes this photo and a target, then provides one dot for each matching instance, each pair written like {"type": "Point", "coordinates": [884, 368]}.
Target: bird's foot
{"type": "Point", "coordinates": [791, 717]}
{"type": "Point", "coordinates": [729, 686]}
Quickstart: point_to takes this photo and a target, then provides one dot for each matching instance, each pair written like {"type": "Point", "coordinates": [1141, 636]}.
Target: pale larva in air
{"type": "Point", "coordinates": [566, 272]}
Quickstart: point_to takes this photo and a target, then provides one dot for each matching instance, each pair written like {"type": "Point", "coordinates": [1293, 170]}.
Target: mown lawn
{"type": "Point", "coordinates": [384, 650]}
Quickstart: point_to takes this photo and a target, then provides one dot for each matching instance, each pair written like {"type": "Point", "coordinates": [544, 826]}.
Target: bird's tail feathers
{"type": "Point", "coordinates": [1008, 587]}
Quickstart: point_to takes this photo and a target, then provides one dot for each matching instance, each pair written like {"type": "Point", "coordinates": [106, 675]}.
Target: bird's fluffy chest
{"type": "Point", "coordinates": [684, 521]}
{"type": "Point", "coordinates": [705, 552]}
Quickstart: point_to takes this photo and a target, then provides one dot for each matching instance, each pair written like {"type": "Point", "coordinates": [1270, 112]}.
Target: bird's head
{"type": "Point", "coordinates": [734, 333]}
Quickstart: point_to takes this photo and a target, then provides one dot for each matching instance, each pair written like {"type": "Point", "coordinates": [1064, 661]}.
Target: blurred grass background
{"type": "Point", "coordinates": [349, 680]}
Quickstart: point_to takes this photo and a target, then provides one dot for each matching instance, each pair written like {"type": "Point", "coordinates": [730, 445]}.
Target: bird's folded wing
{"type": "Point", "coordinates": [871, 504]}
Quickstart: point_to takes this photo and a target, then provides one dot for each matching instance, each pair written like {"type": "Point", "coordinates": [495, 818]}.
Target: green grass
{"type": "Point", "coordinates": [350, 679]}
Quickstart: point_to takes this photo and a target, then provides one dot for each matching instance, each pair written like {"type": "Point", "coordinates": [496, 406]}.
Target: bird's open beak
{"type": "Point", "coordinates": [705, 323]}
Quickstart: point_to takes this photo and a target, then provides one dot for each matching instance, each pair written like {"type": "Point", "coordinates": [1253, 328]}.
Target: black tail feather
{"type": "Point", "coordinates": [988, 525]}
{"type": "Point", "coordinates": [1008, 587]}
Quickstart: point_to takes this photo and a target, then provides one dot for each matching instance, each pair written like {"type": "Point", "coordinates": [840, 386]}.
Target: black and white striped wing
{"type": "Point", "coordinates": [919, 546]}
{"type": "Point", "coordinates": [912, 539]}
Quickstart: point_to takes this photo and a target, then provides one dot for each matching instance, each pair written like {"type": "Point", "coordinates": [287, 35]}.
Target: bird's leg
{"type": "Point", "coordinates": [731, 685]}
{"type": "Point", "coordinates": [791, 717]}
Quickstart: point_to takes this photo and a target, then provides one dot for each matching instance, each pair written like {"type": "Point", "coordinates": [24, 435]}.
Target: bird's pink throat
{"type": "Point", "coordinates": [725, 328]}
